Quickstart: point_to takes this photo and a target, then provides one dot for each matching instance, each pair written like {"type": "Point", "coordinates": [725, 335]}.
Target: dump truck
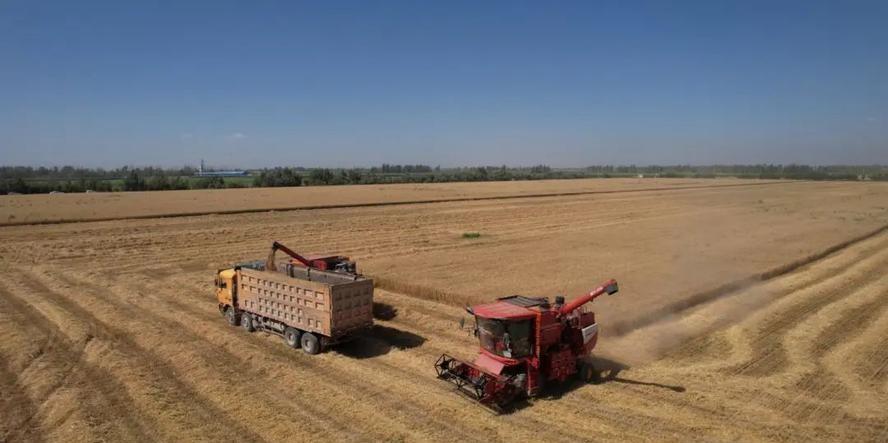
{"type": "Point", "coordinates": [311, 308]}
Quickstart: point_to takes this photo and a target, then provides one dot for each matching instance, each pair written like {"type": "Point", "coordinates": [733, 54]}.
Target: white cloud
{"type": "Point", "coordinates": [236, 136]}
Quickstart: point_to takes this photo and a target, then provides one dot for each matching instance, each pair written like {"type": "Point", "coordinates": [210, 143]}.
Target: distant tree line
{"type": "Point", "coordinates": [30, 180]}
{"type": "Point", "coordinates": [72, 173]}
{"type": "Point", "coordinates": [769, 171]}
{"type": "Point", "coordinates": [278, 177]}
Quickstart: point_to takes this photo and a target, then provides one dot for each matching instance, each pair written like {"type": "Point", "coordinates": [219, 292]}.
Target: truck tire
{"type": "Point", "coordinates": [310, 343]}
{"type": "Point", "coordinates": [232, 317]}
{"type": "Point", "coordinates": [247, 322]}
{"type": "Point", "coordinates": [291, 336]}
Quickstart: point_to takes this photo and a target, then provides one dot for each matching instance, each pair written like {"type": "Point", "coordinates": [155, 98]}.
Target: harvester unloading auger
{"type": "Point", "coordinates": [334, 263]}
{"type": "Point", "coordinates": [525, 343]}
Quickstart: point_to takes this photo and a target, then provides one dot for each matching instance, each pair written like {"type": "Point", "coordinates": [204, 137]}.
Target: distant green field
{"type": "Point", "coordinates": [245, 181]}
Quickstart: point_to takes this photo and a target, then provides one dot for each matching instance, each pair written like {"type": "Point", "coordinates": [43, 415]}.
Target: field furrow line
{"type": "Point", "coordinates": [861, 363]}
{"type": "Point", "coordinates": [132, 340]}
{"type": "Point", "coordinates": [764, 333]}
{"type": "Point", "coordinates": [100, 396]}
{"type": "Point", "coordinates": [21, 343]}
{"type": "Point", "coordinates": [815, 380]}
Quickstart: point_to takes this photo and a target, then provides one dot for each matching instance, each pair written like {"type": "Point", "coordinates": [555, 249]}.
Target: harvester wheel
{"type": "Point", "coordinates": [291, 336]}
{"type": "Point", "coordinates": [247, 322]}
{"type": "Point", "coordinates": [310, 343]}
{"type": "Point", "coordinates": [586, 372]}
{"type": "Point", "coordinates": [232, 316]}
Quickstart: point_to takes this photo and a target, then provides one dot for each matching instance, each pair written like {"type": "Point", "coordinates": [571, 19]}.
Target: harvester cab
{"type": "Point", "coordinates": [524, 343]}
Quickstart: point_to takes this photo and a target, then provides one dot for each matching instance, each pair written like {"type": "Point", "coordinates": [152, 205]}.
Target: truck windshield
{"type": "Point", "coordinates": [506, 338]}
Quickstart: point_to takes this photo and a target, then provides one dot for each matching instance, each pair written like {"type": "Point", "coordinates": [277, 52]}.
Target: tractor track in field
{"type": "Point", "coordinates": [62, 353]}
{"type": "Point", "coordinates": [847, 328]}
{"type": "Point", "coordinates": [18, 406]}
{"type": "Point", "coordinates": [790, 346]}
{"type": "Point", "coordinates": [769, 357]}
{"type": "Point", "coordinates": [123, 349]}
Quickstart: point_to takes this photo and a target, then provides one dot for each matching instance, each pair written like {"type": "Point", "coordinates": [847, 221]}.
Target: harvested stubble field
{"type": "Point", "coordinates": [756, 311]}
{"type": "Point", "coordinates": [45, 208]}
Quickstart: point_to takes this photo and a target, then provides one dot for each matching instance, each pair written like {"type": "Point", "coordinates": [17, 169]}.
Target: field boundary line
{"type": "Point", "coordinates": [391, 203]}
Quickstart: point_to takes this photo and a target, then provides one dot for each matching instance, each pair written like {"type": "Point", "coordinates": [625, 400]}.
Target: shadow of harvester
{"type": "Point", "coordinates": [607, 370]}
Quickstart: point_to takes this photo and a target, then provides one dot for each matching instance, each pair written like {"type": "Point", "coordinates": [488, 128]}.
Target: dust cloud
{"type": "Point", "coordinates": [654, 340]}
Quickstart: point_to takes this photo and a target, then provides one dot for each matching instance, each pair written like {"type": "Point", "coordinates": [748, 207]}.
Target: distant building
{"type": "Point", "coordinates": [222, 174]}
{"type": "Point", "coordinates": [202, 172]}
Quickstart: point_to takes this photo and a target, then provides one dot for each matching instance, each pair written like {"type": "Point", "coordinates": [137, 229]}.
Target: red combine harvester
{"type": "Point", "coordinates": [525, 343]}
{"type": "Point", "coordinates": [332, 263]}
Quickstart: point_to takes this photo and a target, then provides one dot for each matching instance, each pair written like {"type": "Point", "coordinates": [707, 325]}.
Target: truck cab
{"type": "Point", "coordinates": [226, 287]}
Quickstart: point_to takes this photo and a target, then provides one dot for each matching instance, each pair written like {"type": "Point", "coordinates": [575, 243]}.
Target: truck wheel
{"type": "Point", "coordinates": [232, 316]}
{"type": "Point", "coordinates": [247, 322]}
{"type": "Point", "coordinates": [310, 343]}
{"type": "Point", "coordinates": [291, 336]}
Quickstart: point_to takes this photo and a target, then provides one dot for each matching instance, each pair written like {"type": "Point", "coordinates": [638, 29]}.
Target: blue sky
{"type": "Point", "coordinates": [443, 83]}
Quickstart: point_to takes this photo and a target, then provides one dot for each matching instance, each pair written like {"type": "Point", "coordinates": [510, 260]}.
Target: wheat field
{"type": "Point", "coordinates": [756, 311]}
